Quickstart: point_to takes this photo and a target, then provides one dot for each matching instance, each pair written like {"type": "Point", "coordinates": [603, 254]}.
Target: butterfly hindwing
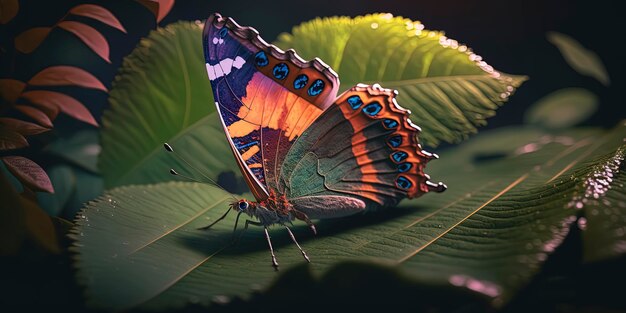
{"type": "Point", "coordinates": [362, 147]}
{"type": "Point", "coordinates": [266, 98]}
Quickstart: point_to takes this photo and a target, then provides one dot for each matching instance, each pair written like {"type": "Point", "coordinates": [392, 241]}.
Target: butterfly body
{"type": "Point", "coordinates": [304, 151]}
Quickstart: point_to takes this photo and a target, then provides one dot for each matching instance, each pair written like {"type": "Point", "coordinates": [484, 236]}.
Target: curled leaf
{"type": "Point", "coordinates": [29, 173]}
{"type": "Point", "coordinates": [581, 59]}
{"type": "Point", "coordinates": [10, 89]}
{"type": "Point", "coordinates": [98, 13]}
{"type": "Point", "coordinates": [36, 114]}
{"type": "Point", "coordinates": [160, 8]}
{"type": "Point", "coordinates": [90, 36]}
{"type": "Point", "coordinates": [8, 10]}
{"type": "Point", "coordinates": [63, 75]}
{"type": "Point", "coordinates": [10, 139]}
{"type": "Point", "coordinates": [24, 128]}
{"type": "Point", "coordinates": [64, 103]}
{"type": "Point", "coordinates": [29, 40]}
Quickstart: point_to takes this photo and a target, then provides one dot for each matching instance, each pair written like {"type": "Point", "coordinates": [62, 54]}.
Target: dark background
{"type": "Point", "coordinates": [510, 35]}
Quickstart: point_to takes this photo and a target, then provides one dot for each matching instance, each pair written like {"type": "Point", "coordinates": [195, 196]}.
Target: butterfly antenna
{"type": "Point", "coordinates": [209, 181]}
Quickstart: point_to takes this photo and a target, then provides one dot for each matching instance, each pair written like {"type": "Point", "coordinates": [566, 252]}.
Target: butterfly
{"type": "Point", "coordinates": [304, 151]}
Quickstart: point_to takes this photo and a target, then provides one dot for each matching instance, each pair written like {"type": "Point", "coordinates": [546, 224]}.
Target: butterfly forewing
{"type": "Point", "coordinates": [266, 98]}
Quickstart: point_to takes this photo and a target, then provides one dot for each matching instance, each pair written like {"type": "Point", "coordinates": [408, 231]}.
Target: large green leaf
{"type": "Point", "coordinates": [162, 94]}
{"type": "Point", "coordinates": [449, 89]}
{"type": "Point", "coordinates": [508, 206]}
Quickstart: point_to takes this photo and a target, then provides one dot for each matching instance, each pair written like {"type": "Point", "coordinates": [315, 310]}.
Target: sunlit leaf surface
{"type": "Point", "coordinates": [450, 90]}
{"type": "Point", "coordinates": [162, 94]}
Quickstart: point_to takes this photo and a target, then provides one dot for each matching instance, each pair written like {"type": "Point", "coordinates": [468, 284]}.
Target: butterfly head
{"type": "Point", "coordinates": [242, 205]}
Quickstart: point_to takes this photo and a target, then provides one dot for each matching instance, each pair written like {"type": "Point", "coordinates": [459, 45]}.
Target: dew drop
{"type": "Point", "coordinates": [374, 25]}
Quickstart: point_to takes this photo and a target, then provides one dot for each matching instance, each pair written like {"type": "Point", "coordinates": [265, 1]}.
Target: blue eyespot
{"type": "Point", "coordinates": [390, 124]}
{"type": "Point", "coordinates": [395, 141]}
{"type": "Point", "coordinates": [403, 183]}
{"type": "Point", "coordinates": [281, 70]}
{"type": "Point", "coordinates": [243, 205]}
{"type": "Point", "coordinates": [260, 58]}
{"type": "Point", "coordinates": [399, 156]}
{"type": "Point", "coordinates": [404, 167]}
{"type": "Point", "coordinates": [316, 88]}
{"type": "Point", "coordinates": [300, 81]}
{"type": "Point", "coordinates": [223, 32]}
{"type": "Point", "coordinates": [354, 102]}
{"type": "Point", "coordinates": [372, 109]}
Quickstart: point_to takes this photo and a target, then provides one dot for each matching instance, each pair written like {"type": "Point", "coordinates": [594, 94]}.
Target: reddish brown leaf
{"type": "Point", "coordinates": [40, 98]}
{"type": "Point", "coordinates": [8, 10]}
{"type": "Point", "coordinates": [160, 8]}
{"type": "Point", "coordinates": [90, 36]}
{"type": "Point", "coordinates": [63, 75]}
{"type": "Point", "coordinates": [29, 173]}
{"type": "Point", "coordinates": [24, 128]}
{"type": "Point", "coordinates": [165, 6]}
{"type": "Point", "coordinates": [99, 13]}
{"type": "Point", "coordinates": [10, 89]}
{"type": "Point", "coordinates": [36, 114]}
{"type": "Point", "coordinates": [10, 139]}
{"type": "Point", "coordinates": [12, 228]}
{"type": "Point", "coordinates": [65, 103]}
{"type": "Point", "coordinates": [39, 226]}
{"type": "Point", "coordinates": [29, 40]}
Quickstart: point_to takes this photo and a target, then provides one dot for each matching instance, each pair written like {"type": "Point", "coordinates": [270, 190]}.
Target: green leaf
{"type": "Point", "coordinates": [81, 148]}
{"type": "Point", "coordinates": [604, 202]}
{"type": "Point", "coordinates": [562, 108]}
{"type": "Point", "coordinates": [450, 90]}
{"type": "Point", "coordinates": [490, 232]}
{"type": "Point", "coordinates": [88, 186]}
{"type": "Point", "coordinates": [582, 60]}
{"type": "Point", "coordinates": [162, 94]}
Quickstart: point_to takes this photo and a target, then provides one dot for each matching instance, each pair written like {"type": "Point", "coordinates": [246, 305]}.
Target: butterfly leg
{"type": "Point", "coordinates": [219, 219]}
{"type": "Point", "coordinates": [245, 227]}
{"type": "Point", "coordinates": [303, 217]}
{"type": "Point", "coordinates": [269, 242]}
{"type": "Point", "coordinates": [293, 238]}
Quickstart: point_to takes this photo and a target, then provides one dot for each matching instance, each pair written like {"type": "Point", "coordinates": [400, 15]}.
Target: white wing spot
{"type": "Point", "coordinates": [239, 62]}
{"type": "Point", "coordinates": [210, 71]}
{"type": "Point", "coordinates": [226, 65]}
{"type": "Point", "coordinates": [215, 40]}
{"type": "Point", "coordinates": [218, 71]}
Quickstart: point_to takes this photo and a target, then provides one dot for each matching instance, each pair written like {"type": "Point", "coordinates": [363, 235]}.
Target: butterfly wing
{"type": "Point", "coordinates": [265, 97]}
{"type": "Point", "coordinates": [362, 153]}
